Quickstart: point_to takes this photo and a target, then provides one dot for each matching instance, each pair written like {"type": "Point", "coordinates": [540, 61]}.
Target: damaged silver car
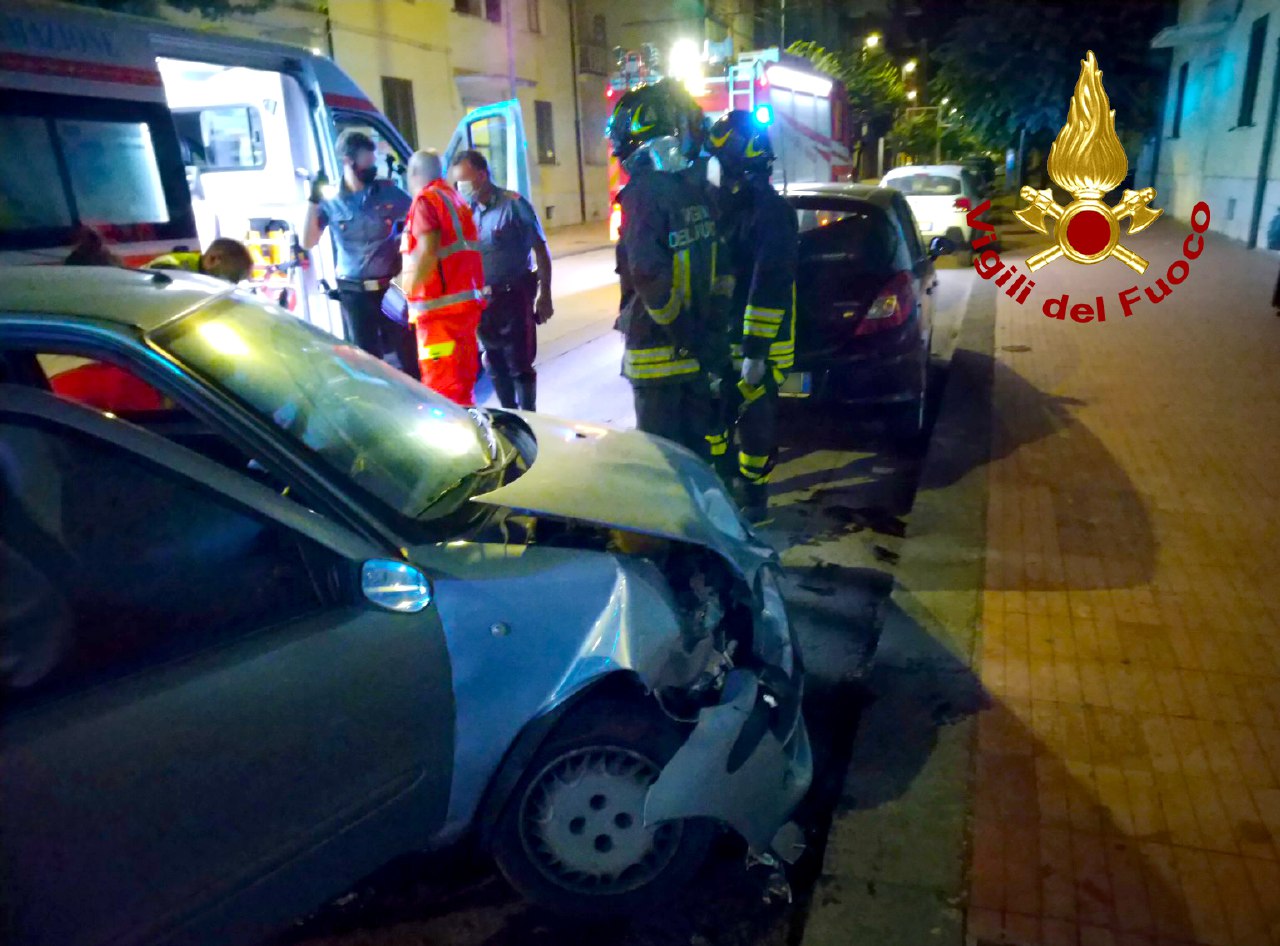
{"type": "Point", "coordinates": [300, 615]}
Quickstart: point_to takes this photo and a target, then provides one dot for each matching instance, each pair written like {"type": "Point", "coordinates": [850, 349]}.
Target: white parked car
{"type": "Point", "coordinates": [941, 196]}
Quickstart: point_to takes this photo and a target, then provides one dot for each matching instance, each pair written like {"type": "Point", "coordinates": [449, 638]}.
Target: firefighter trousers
{"type": "Point", "coordinates": [744, 441]}
{"type": "Point", "coordinates": [678, 410]}
{"type": "Point", "coordinates": [449, 353]}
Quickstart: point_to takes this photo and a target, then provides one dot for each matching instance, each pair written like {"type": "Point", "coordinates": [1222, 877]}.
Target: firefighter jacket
{"type": "Point", "coordinates": [665, 261]}
{"type": "Point", "coordinates": [761, 237]}
{"type": "Point", "coordinates": [456, 284]}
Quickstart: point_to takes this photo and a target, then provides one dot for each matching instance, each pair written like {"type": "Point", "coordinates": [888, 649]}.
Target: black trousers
{"type": "Point", "coordinates": [678, 410]}
{"type": "Point", "coordinates": [509, 335]}
{"type": "Point", "coordinates": [369, 329]}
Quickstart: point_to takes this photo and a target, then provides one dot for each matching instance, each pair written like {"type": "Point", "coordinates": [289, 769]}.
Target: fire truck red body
{"type": "Point", "coordinates": [806, 110]}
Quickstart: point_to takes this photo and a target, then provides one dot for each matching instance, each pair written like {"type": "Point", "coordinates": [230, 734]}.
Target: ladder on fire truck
{"type": "Point", "coordinates": [742, 78]}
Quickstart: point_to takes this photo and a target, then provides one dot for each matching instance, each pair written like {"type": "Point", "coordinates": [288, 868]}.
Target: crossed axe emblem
{"type": "Point", "coordinates": [1087, 230]}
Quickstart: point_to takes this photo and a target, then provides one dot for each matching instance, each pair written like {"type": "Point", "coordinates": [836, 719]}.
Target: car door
{"type": "Point", "coordinates": [497, 132]}
{"type": "Point", "coordinates": [207, 727]}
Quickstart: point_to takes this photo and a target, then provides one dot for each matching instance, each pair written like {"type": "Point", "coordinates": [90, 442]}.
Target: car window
{"type": "Point", "coordinates": [924, 185]}
{"type": "Point", "coordinates": [111, 563]}
{"type": "Point", "coordinates": [910, 231]}
{"type": "Point", "coordinates": [863, 237]}
{"type": "Point", "coordinates": [103, 386]}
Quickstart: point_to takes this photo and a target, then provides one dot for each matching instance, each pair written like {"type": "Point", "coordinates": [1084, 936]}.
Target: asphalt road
{"type": "Point", "coordinates": [840, 494]}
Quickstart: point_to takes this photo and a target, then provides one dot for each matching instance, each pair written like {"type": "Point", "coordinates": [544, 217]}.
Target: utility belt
{"type": "Point", "coordinates": [363, 285]}
{"type": "Point", "coordinates": [521, 283]}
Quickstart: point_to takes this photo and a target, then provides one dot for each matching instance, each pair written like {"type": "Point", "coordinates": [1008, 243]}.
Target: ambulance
{"type": "Point", "coordinates": [163, 138]}
{"type": "Point", "coordinates": [806, 110]}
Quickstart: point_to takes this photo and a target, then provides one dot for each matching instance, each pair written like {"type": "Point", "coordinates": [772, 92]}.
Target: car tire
{"type": "Point", "coordinates": [577, 816]}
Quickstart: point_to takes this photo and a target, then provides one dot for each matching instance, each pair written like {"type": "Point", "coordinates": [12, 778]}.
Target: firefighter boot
{"type": "Point", "coordinates": [527, 393]}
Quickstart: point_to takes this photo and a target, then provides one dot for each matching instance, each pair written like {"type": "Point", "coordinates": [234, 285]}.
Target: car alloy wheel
{"type": "Point", "coordinates": [582, 822]}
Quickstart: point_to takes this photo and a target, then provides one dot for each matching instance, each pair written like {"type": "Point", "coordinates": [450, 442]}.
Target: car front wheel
{"type": "Point", "coordinates": [573, 838]}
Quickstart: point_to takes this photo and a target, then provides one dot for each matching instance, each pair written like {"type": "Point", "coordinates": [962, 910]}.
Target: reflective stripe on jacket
{"type": "Point", "coordinates": [458, 279]}
{"type": "Point", "coordinates": [665, 259]}
{"type": "Point", "coordinates": [762, 236]}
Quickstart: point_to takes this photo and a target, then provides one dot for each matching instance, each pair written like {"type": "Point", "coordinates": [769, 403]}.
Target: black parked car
{"type": "Point", "coordinates": [864, 300]}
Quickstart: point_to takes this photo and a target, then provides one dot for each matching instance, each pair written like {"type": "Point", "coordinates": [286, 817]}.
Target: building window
{"type": "Point", "coordinates": [535, 16]}
{"type": "Point", "coordinates": [1252, 70]}
{"type": "Point", "coordinates": [1178, 99]}
{"type": "Point", "coordinates": [598, 31]}
{"type": "Point", "coordinates": [491, 10]}
{"type": "Point", "coordinates": [397, 105]}
{"type": "Point", "coordinates": [546, 133]}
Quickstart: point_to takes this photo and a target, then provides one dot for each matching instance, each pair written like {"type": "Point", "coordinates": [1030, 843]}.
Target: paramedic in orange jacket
{"type": "Point", "coordinates": [442, 278]}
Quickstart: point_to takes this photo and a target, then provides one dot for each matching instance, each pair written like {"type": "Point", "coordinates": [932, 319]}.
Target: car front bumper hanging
{"type": "Point", "coordinates": [736, 769]}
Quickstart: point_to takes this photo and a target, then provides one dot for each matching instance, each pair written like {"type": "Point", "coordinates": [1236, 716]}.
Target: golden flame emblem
{"type": "Point", "coordinates": [1088, 161]}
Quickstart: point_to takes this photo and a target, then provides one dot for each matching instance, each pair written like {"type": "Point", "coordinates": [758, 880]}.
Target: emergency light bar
{"type": "Point", "coordinates": [799, 81]}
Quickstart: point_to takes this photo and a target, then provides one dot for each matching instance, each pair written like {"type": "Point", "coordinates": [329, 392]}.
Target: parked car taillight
{"type": "Point", "coordinates": [963, 203]}
{"type": "Point", "coordinates": [890, 308]}
{"type": "Point", "coordinates": [615, 222]}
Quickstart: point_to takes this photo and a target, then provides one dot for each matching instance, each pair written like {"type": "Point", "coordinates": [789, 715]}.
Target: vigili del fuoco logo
{"type": "Point", "coordinates": [1088, 161]}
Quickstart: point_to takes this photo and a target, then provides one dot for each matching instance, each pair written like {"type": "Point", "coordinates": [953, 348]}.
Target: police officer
{"type": "Point", "coordinates": [665, 257]}
{"type": "Point", "coordinates": [761, 239]}
{"type": "Point", "coordinates": [364, 217]}
{"type": "Point", "coordinates": [511, 239]}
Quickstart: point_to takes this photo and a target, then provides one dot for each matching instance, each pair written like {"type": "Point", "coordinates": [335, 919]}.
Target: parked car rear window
{"type": "Point", "coordinates": [859, 234]}
{"type": "Point", "coordinates": [924, 185]}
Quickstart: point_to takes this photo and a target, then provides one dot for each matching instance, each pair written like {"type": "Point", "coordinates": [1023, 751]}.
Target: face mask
{"type": "Point", "coordinates": [466, 189]}
{"type": "Point", "coordinates": [367, 175]}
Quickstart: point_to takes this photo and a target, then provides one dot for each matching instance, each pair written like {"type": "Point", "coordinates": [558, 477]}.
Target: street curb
{"type": "Point", "coordinates": [895, 871]}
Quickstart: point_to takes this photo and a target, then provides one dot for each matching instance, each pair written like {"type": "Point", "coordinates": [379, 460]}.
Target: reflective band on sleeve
{"type": "Point", "coordinates": [436, 351]}
{"type": "Point", "coordinates": [679, 291]}
{"type": "Point", "coordinates": [750, 393]}
{"type": "Point", "coordinates": [453, 298]}
{"type": "Point", "coordinates": [757, 330]}
{"type": "Point", "coordinates": [718, 443]}
{"type": "Point", "coordinates": [765, 315]}
{"type": "Point", "coordinates": [756, 469]}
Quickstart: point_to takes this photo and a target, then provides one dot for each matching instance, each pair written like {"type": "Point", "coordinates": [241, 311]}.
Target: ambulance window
{"type": "Point", "coordinates": [227, 138]}
{"type": "Point", "coordinates": [489, 137]}
{"type": "Point", "coordinates": [115, 178]}
{"type": "Point", "coordinates": [392, 164]}
{"type": "Point", "coordinates": [30, 189]}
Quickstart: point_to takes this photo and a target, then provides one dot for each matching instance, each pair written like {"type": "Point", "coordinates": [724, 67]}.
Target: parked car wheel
{"type": "Point", "coordinates": [573, 839]}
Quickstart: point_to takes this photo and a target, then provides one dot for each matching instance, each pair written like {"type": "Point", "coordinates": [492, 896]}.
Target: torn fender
{"type": "Point", "coordinates": [734, 769]}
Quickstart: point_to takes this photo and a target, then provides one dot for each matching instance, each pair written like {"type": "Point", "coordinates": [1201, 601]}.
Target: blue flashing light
{"type": "Point", "coordinates": [764, 114]}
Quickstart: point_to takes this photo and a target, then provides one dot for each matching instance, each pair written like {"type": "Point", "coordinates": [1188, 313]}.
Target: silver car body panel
{"type": "Point", "coordinates": [754, 795]}
{"type": "Point", "coordinates": [628, 480]}
{"type": "Point", "coordinates": [529, 627]}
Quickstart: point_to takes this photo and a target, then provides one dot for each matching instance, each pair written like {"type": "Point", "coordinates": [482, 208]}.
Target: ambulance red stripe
{"type": "Point", "coordinates": [86, 71]}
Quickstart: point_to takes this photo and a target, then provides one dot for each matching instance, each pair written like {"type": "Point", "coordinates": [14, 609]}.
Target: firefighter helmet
{"type": "Point", "coordinates": [741, 144]}
{"type": "Point", "coordinates": [654, 111]}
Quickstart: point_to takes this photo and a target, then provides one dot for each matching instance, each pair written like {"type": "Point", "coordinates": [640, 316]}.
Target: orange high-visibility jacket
{"type": "Point", "coordinates": [455, 285]}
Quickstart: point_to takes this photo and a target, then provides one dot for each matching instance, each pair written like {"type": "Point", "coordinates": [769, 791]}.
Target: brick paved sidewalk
{"type": "Point", "coordinates": [1128, 769]}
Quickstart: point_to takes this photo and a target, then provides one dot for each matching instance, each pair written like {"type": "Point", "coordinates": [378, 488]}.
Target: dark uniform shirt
{"type": "Point", "coordinates": [665, 261]}
{"type": "Point", "coordinates": [363, 224]}
{"type": "Point", "coordinates": [508, 227]}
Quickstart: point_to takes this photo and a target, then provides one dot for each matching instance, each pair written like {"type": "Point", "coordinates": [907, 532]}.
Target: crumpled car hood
{"type": "Point", "coordinates": [628, 480]}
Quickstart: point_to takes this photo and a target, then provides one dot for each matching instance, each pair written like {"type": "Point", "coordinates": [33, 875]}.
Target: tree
{"type": "Point", "coordinates": [916, 134]}
{"type": "Point", "coordinates": [1011, 66]}
{"type": "Point", "coordinates": [210, 9]}
{"type": "Point", "coordinates": [871, 79]}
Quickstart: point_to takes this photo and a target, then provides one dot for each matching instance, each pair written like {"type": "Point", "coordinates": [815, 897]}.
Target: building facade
{"type": "Point", "coordinates": [1217, 142]}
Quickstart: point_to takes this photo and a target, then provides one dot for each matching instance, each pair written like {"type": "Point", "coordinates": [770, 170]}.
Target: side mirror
{"type": "Point", "coordinates": [940, 246]}
{"type": "Point", "coordinates": [395, 586]}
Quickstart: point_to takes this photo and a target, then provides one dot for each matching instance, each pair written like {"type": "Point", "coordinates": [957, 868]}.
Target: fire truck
{"type": "Point", "coordinates": [807, 111]}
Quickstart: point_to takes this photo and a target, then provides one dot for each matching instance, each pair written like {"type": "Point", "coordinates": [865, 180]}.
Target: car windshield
{"type": "Point", "coordinates": [391, 436]}
{"type": "Point", "coordinates": [924, 185]}
{"type": "Point", "coordinates": [858, 234]}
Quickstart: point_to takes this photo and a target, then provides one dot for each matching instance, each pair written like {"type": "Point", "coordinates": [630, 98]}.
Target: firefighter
{"type": "Point", "coordinates": [665, 257]}
{"type": "Point", "coordinates": [761, 240]}
{"type": "Point", "coordinates": [443, 276]}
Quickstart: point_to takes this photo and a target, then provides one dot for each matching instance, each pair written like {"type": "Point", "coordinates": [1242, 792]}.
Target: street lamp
{"type": "Point", "coordinates": [946, 101]}
{"type": "Point", "coordinates": [909, 67]}
{"type": "Point", "coordinates": [911, 95]}
{"type": "Point", "coordinates": [872, 40]}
